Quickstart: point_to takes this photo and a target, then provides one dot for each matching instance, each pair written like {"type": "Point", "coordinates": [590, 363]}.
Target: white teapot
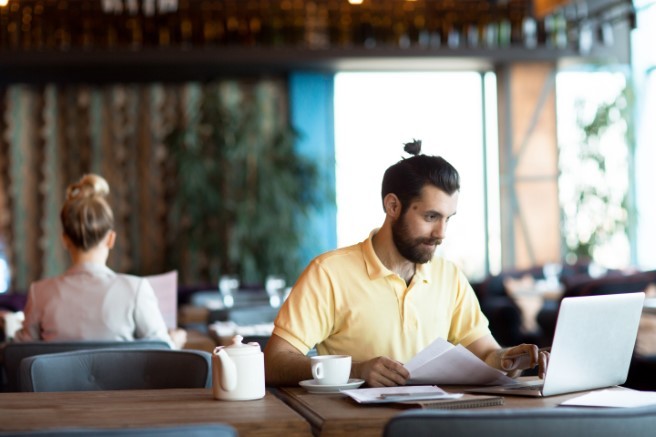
{"type": "Point", "coordinates": [238, 371]}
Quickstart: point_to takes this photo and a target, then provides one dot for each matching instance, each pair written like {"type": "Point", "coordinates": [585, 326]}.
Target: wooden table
{"type": "Point", "coordinates": [336, 414]}
{"type": "Point", "coordinates": [147, 408]}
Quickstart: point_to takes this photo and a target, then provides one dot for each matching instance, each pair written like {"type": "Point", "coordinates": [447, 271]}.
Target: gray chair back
{"type": "Point", "coordinates": [116, 369]}
{"type": "Point", "coordinates": [544, 422]}
{"type": "Point", "coordinates": [13, 353]}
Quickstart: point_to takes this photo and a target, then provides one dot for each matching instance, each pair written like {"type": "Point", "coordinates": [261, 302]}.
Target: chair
{"type": "Point", "coordinates": [501, 309]}
{"type": "Point", "coordinates": [116, 369]}
{"type": "Point", "coordinates": [195, 430]}
{"type": "Point", "coordinates": [544, 422]}
{"type": "Point", "coordinates": [13, 353]}
{"type": "Point", "coordinates": [613, 283]}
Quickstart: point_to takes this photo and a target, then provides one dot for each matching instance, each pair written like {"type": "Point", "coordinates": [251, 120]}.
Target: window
{"type": "Point", "coordinates": [376, 113]}
{"type": "Point", "coordinates": [594, 169]}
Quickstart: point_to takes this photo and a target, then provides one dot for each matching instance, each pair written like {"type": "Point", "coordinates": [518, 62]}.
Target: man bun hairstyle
{"type": "Point", "coordinates": [413, 147]}
{"type": "Point", "coordinates": [407, 177]}
{"type": "Point", "coordinates": [86, 216]}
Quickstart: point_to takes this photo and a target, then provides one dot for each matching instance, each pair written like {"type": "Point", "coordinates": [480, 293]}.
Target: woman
{"type": "Point", "coordinates": [90, 301]}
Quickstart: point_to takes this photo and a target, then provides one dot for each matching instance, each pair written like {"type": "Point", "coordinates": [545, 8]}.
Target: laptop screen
{"type": "Point", "coordinates": [593, 343]}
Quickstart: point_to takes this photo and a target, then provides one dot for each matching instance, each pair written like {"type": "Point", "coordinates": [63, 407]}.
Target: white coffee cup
{"type": "Point", "coordinates": [331, 369]}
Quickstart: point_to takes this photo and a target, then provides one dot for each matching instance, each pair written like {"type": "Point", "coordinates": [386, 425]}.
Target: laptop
{"type": "Point", "coordinates": [592, 347]}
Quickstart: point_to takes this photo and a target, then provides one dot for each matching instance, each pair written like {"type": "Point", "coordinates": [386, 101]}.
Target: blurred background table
{"type": "Point", "coordinates": [212, 323]}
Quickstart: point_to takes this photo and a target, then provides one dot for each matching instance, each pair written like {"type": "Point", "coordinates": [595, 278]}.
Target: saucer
{"type": "Point", "coordinates": [311, 386]}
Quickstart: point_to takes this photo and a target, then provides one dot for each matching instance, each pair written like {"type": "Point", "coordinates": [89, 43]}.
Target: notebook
{"type": "Point", "coordinates": [592, 346]}
{"type": "Point", "coordinates": [466, 401]}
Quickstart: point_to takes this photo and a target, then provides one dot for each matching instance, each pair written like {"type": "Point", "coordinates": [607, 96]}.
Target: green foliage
{"type": "Point", "coordinates": [241, 188]}
{"type": "Point", "coordinates": [601, 210]}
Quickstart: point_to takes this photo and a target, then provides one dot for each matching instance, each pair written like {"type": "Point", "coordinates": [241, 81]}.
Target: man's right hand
{"type": "Point", "coordinates": [380, 372]}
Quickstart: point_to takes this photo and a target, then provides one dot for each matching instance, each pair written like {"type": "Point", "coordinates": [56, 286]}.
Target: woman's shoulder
{"type": "Point", "coordinates": [133, 280]}
{"type": "Point", "coordinates": [46, 283]}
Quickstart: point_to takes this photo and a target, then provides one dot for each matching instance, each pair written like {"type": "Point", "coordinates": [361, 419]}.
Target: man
{"type": "Point", "coordinates": [385, 299]}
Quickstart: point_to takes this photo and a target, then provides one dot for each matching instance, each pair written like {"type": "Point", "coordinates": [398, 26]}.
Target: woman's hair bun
{"type": "Point", "coordinates": [89, 185]}
{"type": "Point", "coordinates": [413, 147]}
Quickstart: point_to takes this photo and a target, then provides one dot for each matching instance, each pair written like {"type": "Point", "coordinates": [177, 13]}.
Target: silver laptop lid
{"type": "Point", "coordinates": [593, 342]}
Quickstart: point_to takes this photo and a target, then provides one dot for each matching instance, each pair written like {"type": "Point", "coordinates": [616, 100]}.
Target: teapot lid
{"type": "Point", "coordinates": [239, 348]}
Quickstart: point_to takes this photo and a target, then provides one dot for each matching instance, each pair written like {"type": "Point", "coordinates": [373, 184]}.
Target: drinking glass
{"type": "Point", "coordinates": [275, 288]}
{"type": "Point", "coordinates": [228, 285]}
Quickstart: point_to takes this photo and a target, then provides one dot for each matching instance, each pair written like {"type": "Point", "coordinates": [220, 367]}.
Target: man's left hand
{"type": "Point", "coordinates": [525, 356]}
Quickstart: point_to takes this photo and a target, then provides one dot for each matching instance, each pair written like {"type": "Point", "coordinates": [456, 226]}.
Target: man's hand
{"type": "Point", "coordinates": [381, 372]}
{"type": "Point", "coordinates": [511, 360]}
{"type": "Point", "coordinates": [525, 356]}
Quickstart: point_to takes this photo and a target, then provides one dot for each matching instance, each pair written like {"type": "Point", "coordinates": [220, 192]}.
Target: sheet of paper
{"type": "Point", "coordinates": [165, 286]}
{"type": "Point", "coordinates": [399, 394]}
{"type": "Point", "coordinates": [613, 398]}
{"type": "Point", "coordinates": [435, 349]}
{"type": "Point", "coordinates": [443, 363]}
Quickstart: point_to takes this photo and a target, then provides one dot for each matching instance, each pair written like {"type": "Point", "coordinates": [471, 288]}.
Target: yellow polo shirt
{"type": "Point", "coordinates": [347, 302]}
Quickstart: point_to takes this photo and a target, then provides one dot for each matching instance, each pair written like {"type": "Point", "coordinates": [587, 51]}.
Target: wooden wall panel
{"type": "Point", "coordinates": [528, 155]}
{"type": "Point", "coordinates": [51, 135]}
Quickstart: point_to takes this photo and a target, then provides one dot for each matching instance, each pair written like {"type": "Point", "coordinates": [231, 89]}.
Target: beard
{"type": "Point", "coordinates": [412, 249]}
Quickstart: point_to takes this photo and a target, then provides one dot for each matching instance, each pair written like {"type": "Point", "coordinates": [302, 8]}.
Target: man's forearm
{"type": "Point", "coordinates": [285, 368]}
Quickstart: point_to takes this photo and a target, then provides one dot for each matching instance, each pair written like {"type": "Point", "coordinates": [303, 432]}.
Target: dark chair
{"type": "Point", "coordinates": [642, 373]}
{"type": "Point", "coordinates": [13, 353]}
{"type": "Point", "coordinates": [116, 369]}
{"type": "Point", "coordinates": [200, 430]}
{"type": "Point", "coordinates": [14, 301]}
{"type": "Point", "coordinates": [502, 312]}
{"type": "Point", "coordinates": [544, 422]}
{"type": "Point", "coordinates": [613, 283]}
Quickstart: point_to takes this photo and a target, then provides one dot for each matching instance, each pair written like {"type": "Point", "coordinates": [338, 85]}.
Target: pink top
{"type": "Point", "coordinates": [92, 302]}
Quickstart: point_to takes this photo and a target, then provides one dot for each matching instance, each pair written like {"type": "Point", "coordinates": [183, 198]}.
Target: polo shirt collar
{"type": "Point", "coordinates": [376, 269]}
{"type": "Point", "coordinates": [422, 273]}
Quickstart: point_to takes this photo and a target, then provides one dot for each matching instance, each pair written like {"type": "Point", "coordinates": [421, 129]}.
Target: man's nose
{"type": "Point", "coordinates": [439, 230]}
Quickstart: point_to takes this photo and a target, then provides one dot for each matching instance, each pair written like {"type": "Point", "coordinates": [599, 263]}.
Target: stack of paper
{"type": "Point", "coordinates": [399, 394]}
{"type": "Point", "coordinates": [422, 396]}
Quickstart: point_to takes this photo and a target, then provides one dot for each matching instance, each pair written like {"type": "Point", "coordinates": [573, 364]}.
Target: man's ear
{"type": "Point", "coordinates": [110, 239]}
{"type": "Point", "coordinates": [392, 205]}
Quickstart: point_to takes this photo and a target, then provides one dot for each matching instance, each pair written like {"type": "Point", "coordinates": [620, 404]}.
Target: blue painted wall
{"type": "Point", "coordinates": [312, 114]}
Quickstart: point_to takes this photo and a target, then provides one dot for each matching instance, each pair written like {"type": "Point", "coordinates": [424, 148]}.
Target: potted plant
{"type": "Point", "coordinates": [241, 189]}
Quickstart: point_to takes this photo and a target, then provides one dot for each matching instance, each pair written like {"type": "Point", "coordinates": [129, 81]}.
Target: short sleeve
{"type": "Point", "coordinates": [468, 323]}
{"type": "Point", "coordinates": [307, 316]}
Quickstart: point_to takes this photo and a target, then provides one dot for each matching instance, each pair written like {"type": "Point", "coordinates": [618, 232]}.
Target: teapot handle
{"type": "Point", "coordinates": [228, 371]}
